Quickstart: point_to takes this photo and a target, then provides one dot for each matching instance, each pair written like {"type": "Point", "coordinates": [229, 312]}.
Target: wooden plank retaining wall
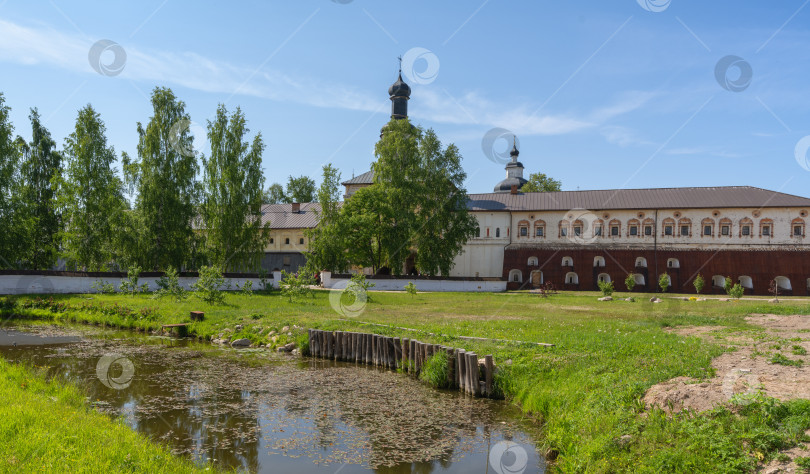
{"type": "Point", "coordinates": [464, 371]}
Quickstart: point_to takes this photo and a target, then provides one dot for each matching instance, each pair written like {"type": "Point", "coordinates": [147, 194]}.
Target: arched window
{"type": "Point", "coordinates": [707, 227]}
{"type": "Point", "coordinates": [567, 262]}
{"type": "Point", "coordinates": [523, 229]}
{"type": "Point", "coordinates": [746, 227]}
{"type": "Point", "coordinates": [639, 279]}
{"type": "Point", "coordinates": [633, 226]}
{"type": "Point", "coordinates": [783, 283]}
{"type": "Point", "coordinates": [539, 228]}
{"type": "Point", "coordinates": [603, 277]}
{"type": "Point", "coordinates": [563, 228]}
{"type": "Point", "coordinates": [571, 278]}
{"type": "Point", "coordinates": [532, 261]}
{"type": "Point", "coordinates": [478, 232]}
{"type": "Point", "coordinates": [641, 262]}
{"type": "Point", "coordinates": [648, 227]}
{"type": "Point", "coordinates": [673, 263]}
{"type": "Point", "coordinates": [615, 228]}
{"type": "Point", "coordinates": [668, 227]}
{"type": "Point", "coordinates": [599, 261]}
{"type": "Point", "coordinates": [797, 228]}
{"type": "Point", "coordinates": [719, 281]}
{"type": "Point", "coordinates": [516, 276]}
{"type": "Point", "coordinates": [725, 227]}
{"type": "Point", "coordinates": [598, 228]}
{"type": "Point", "coordinates": [497, 232]}
{"type": "Point", "coordinates": [669, 279]}
{"type": "Point", "coordinates": [746, 282]}
{"type": "Point", "coordinates": [766, 228]}
{"type": "Point", "coordinates": [685, 227]}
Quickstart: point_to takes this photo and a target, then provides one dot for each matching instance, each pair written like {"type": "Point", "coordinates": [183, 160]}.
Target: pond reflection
{"type": "Point", "coordinates": [263, 412]}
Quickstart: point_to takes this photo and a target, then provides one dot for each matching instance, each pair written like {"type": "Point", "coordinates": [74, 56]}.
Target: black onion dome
{"type": "Point", "coordinates": [399, 88]}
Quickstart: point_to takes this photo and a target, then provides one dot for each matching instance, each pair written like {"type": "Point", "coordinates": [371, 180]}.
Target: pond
{"type": "Point", "coordinates": [265, 412]}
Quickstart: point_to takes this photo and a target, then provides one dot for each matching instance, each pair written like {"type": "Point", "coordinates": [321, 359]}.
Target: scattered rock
{"type": "Point", "coordinates": [289, 333]}
{"type": "Point", "coordinates": [723, 299]}
{"type": "Point", "coordinates": [625, 440]}
{"type": "Point", "coordinates": [269, 346]}
{"type": "Point", "coordinates": [241, 343]}
{"type": "Point", "coordinates": [630, 299]}
{"type": "Point", "coordinates": [285, 329]}
{"type": "Point", "coordinates": [773, 300]}
{"type": "Point", "coordinates": [271, 333]}
{"type": "Point", "coordinates": [296, 352]}
{"type": "Point", "coordinates": [701, 299]}
{"type": "Point", "coordinates": [287, 347]}
{"type": "Point", "coordinates": [606, 298]}
{"type": "Point", "coordinates": [274, 338]}
{"type": "Point", "coordinates": [238, 327]}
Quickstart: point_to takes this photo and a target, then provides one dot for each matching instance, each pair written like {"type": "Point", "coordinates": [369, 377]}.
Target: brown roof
{"type": "Point", "coordinates": [365, 178]}
{"type": "Point", "coordinates": [654, 198]}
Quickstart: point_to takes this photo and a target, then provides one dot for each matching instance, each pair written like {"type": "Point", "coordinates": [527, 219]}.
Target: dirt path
{"type": "Point", "coordinates": [749, 368]}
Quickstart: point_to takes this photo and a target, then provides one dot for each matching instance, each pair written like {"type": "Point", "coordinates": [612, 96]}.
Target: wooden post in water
{"type": "Point", "coordinates": [451, 363]}
{"type": "Point", "coordinates": [417, 358]}
{"type": "Point", "coordinates": [357, 346]}
{"type": "Point", "coordinates": [344, 346]}
{"type": "Point", "coordinates": [368, 349]}
{"type": "Point", "coordinates": [392, 353]}
{"type": "Point", "coordinates": [311, 342]}
{"type": "Point", "coordinates": [328, 344]}
{"type": "Point", "coordinates": [412, 356]}
{"type": "Point", "coordinates": [462, 370]}
{"type": "Point", "coordinates": [373, 350]}
{"type": "Point", "coordinates": [338, 340]}
{"type": "Point", "coordinates": [475, 375]}
{"type": "Point", "coordinates": [489, 365]}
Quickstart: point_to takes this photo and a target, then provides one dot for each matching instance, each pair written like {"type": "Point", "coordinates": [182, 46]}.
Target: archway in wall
{"type": "Point", "coordinates": [745, 281]}
{"type": "Point", "coordinates": [567, 262]}
{"type": "Point", "coordinates": [536, 278]}
{"type": "Point", "coordinates": [571, 278]}
{"type": "Point", "coordinates": [783, 283]}
{"type": "Point", "coordinates": [639, 279]}
{"type": "Point", "coordinates": [673, 263]}
{"type": "Point", "coordinates": [603, 277]}
{"type": "Point", "coordinates": [719, 281]}
{"type": "Point", "coordinates": [532, 262]}
{"type": "Point", "coordinates": [516, 276]}
{"type": "Point", "coordinates": [599, 261]}
{"type": "Point", "coordinates": [641, 262]}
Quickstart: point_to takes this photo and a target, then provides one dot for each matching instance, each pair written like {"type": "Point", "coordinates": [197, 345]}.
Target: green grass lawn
{"type": "Point", "coordinates": [48, 427]}
{"type": "Point", "coordinates": [586, 390]}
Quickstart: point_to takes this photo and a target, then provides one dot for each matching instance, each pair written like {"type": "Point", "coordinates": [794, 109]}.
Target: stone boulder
{"type": "Point", "coordinates": [241, 343]}
{"type": "Point", "coordinates": [606, 298]}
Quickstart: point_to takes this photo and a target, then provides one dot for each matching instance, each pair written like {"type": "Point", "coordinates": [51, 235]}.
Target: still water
{"type": "Point", "coordinates": [264, 412]}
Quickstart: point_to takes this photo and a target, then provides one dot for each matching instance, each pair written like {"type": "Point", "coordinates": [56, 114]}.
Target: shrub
{"type": "Point", "coordinates": [359, 284]}
{"type": "Point", "coordinates": [263, 280]}
{"type": "Point", "coordinates": [130, 285]}
{"type": "Point", "coordinates": [736, 291]}
{"type": "Point", "coordinates": [782, 360]}
{"type": "Point", "coordinates": [169, 285]}
{"type": "Point", "coordinates": [699, 283]}
{"type": "Point", "coordinates": [547, 290]}
{"type": "Point", "coordinates": [294, 286]}
{"type": "Point", "coordinates": [410, 288]}
{"type": "Point", "coordinates": [434, 371]}
{"type": "Point", "coordinates": [606, 287]}
{"type": "Point", "coordinates": [663, 282]}
{"type": "Point", "coordinates": [247, 288]}
{"type": "Point", "coordinates": [728, 284]}
{"type": "Point", "coordinates": [630, 282]}
{"type": "Point", "coordinates": [103, 287]}
{"type": "Point", "coordinates": [208, 285]}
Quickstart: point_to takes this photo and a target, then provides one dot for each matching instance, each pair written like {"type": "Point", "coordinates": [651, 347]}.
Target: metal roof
{"type": "Point", "coordinates": [365, 178]}
{"type": "Point", "coordinates": [281, 216]}
{"type": "Point", "coordinates": [654, 198]}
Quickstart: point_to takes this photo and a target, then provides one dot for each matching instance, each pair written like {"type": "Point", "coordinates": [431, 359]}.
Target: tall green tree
{"type": "Point", "coordinates": [12, 235]}
{"type": "Point", "coordinates": [275, 194]}
{"type": "Point", "coordinates": [233, 181]}
{"type": "Point", "coordinates": [539, 182]}
{"type": "Point", "coordinates": [40, 171]}
{"type": "Point", "coordinates": [327, 248]}
{"type": "Point", "coordinates": [91, 194]}
{"type": "Point", "coordinates": [300, 189]}
{"type": "Point", "coordinates": [417, 204]}
{"type": "Point", "coordinates": [164, 175]}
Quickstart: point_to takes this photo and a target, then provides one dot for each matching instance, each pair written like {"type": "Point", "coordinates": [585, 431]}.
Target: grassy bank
{"type": "Point", "coordinates": [586, 389]}
{"type": "Point", "coordinates": [48, 427]}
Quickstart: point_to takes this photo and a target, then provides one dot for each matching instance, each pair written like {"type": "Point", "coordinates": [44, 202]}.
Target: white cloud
{"type": "Point", "coordinates": [44, 45]}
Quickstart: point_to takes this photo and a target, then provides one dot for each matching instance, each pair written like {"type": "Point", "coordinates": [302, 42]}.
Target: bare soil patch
{"type": "Point", "coordinates": [746, 369]}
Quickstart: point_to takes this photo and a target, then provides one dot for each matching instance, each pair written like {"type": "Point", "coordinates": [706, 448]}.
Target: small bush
{"type": "Point", "coordinates": [410, 288]}
{"type": "Point", "coordinates": [699, 283]}
{"type": "Point", "coordinates": [799, 350]}
{"type": "Point", "coordinates": [606, 287]}
{"type": "Point", "coordinates": [359, 284]}
{"type": "Point", "coordinates": [247, 288]}
{"type": "Point", "coordinates": [663, 282]}
{"type": "Point", "coordinates": [169, 285]}
{"type": "Point", "coordinates": [208, 285]}
{"type": "Point", "coordinates": [629, 282]}
{"type": "Point", "coordinates": [103, 287]}
{"type": "Point", "coordinates": [130, 285]}
{"type": "Point", "coordinates": [803, 463]}
{"type": "Point", "coordinates": [434, 371]}
{"type": "Point", "coordinates": [295, 285]}
{"type": "Point", "coordinates": [736, 291]}
{"type": "Point", "coordinates": [728, 284]}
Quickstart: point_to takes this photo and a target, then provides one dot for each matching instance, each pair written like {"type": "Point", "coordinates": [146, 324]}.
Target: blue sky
{"type": "Point", "coordinates": [619, 94]}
